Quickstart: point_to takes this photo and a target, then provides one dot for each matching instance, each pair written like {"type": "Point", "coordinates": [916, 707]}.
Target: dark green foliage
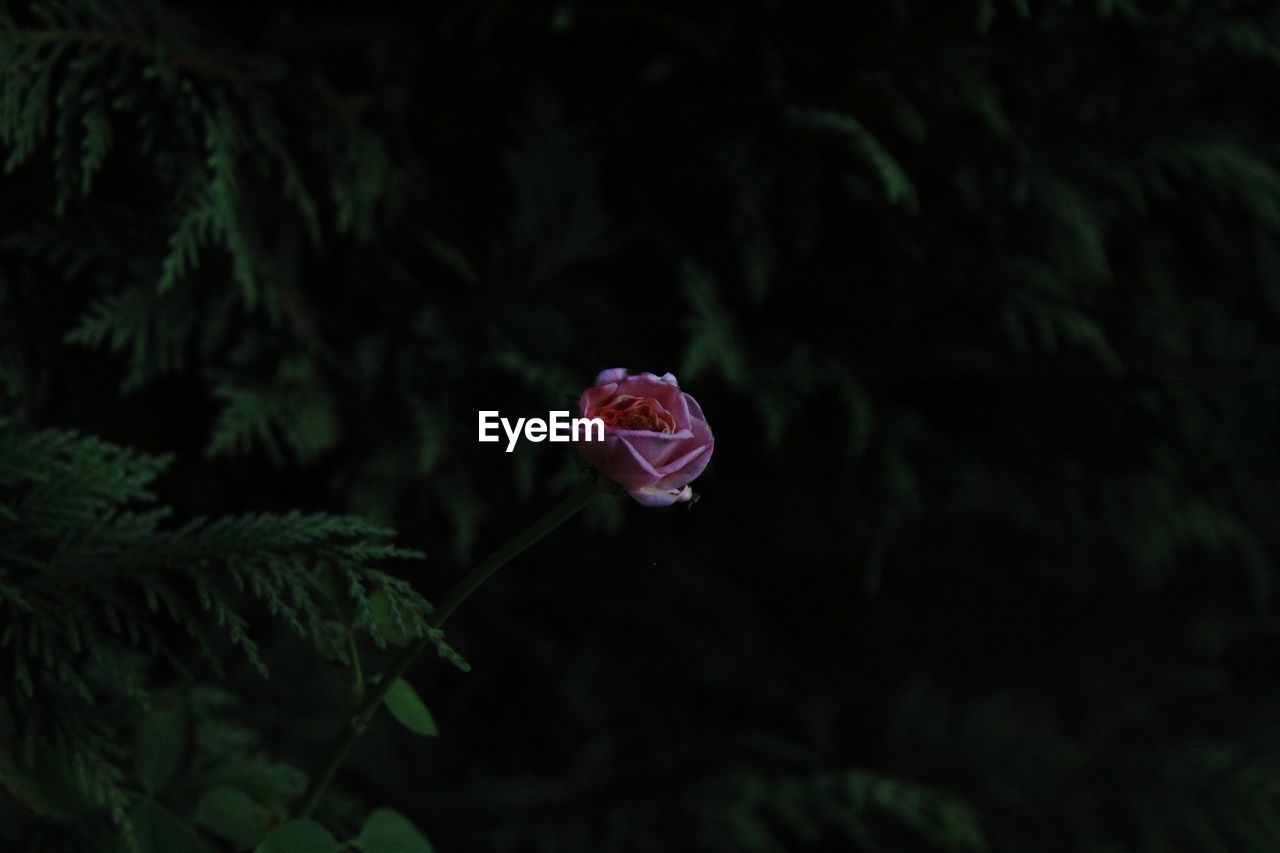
{"type": "Point", "coordinates": [981, 299]}
{"type": "Point", "coordinates": [754, 811]}
{"type": "Point", "coordinates": [92, 579]}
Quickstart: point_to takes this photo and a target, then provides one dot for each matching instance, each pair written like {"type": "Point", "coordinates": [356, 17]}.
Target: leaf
{"type": "Point", "coordinates": [159, 830]}
{"type": "Point", "coordinates": [298, 836]}
{"type": "Point", "coordinates": [330, 639]}
{"type": "Point", "coordinates": [898, 188]}
{"type": "Point", "coordinates": [293, 410]}
{"type": "Point", "coordinates": [49, 790]}
{"type": "Point", "coordinates": [231, 814]}
{"type": "Point", "coordinates": [163, 742]}
{"type": "Point", "coordinates": [393, 630]}
{"type": "Point", "coordinates": [450, 256]}
{"type": "Point", "coordinates": [97, 139]}
{"type": "Point", "coordinates": [407, 707]}
{"type": "Point", "coordinates": [388, 831]}
{"type": "Point", "coordinates": [713, 339]}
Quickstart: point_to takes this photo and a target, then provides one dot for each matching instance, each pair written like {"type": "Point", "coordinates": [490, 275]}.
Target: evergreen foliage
{"type": "Point", "coordinates": [94, 585]}
{"type": "Point", "coordinates": [981, 299]}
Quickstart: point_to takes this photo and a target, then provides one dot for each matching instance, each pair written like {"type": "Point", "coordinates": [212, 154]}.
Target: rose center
{"type": "Point", "coordinates": [642, 413]}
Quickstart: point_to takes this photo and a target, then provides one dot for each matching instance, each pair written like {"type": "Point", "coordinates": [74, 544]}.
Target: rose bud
{"type": "Point", "coordinates": [656, 440]}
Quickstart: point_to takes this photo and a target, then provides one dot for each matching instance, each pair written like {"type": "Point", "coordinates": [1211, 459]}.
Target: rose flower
{"type": "Point", "coordinates": [656, 440]}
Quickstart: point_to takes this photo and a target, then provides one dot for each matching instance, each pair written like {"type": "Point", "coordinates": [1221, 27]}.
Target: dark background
{"type": "Point", "coordinates": [981, 301]}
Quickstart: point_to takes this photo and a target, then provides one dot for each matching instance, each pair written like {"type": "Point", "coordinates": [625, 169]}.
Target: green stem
{"type": "Point", "coordinates": [365, 711]}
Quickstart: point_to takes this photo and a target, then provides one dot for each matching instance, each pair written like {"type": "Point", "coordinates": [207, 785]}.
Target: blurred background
{"type": "Point", "coordinates": [981, 300]}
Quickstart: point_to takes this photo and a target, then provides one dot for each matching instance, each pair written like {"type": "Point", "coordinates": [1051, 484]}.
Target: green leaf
{"type": "Point", "coordinates": [159, 830]}
{"type": "Point", "coordinates": [393, 630]}
{"type": "Point", "coordinates": [898, 188]}
{"type": "Point", "coordinates": [388, 831]}
{"type": "Point", "coordinates": [163, 742]}
{"type": "Point", "coordinates": [330, 640]}
{"type": "Point", "coordinates": [407, 707]}
{"type": "Point", "coordinates": [231, 814]}
{"type": "Point", "coordinates": [449, 255]}
{"type": "Point", "coordinates": [48, 790]}
{"type": "Point", "coordinates": [298, 836]}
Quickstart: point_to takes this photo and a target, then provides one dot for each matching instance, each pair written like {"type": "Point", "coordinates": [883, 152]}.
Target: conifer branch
{"type": "Point", "coordinates": [141, 44]}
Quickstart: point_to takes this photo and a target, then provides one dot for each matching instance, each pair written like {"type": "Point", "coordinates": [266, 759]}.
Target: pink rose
{"type": "Point", "coordinates": [656, 441]}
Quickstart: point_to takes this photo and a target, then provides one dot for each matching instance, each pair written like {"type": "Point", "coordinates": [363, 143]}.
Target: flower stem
{"type": "Point", "coordinates": [377, 692]}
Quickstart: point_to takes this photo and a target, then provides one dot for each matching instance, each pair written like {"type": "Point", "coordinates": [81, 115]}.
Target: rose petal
{"type": "Point", "coordinates": [616, 459]}
{"type": "Point", "coordinates": [643, 463]}
{"type": "Point", "coordinates": [685, 461]}
{"type": "Point", "coordinates": [695, 410]}
{"type": "Point", "coordinates": [648, 385]}
{"type": "Point", "coordinates": [680, 410]}
{"type": "Point", "coordinates": [613, 374]}
{"type": "Point", "coordinates": [674, 477]}
{"type": "Point", "coordinates": [659, 448]}
{"type": "Point", "coordinates": [596, 397]}
{"type": "Point", "coordinates": [661, 497]}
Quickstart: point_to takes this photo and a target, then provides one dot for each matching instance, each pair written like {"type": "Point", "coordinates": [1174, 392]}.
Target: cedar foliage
{"type": "Point", "coordinates": [982, 302]}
